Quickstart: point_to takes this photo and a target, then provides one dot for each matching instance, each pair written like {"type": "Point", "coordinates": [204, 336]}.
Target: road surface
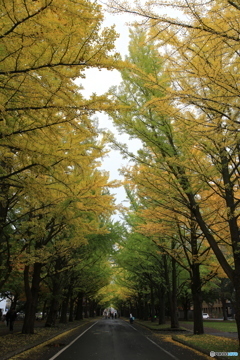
{"type": "Point", "coordinates": [115, 339]}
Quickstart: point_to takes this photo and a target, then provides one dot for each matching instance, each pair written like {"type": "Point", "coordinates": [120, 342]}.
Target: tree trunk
{"type": "Point", "coordinates": [197, 300]}
{"type": "Point", "coordinates": [237, 305]}
{"type": "Point", "coordinates": [54, 305]}
{"type": "Point", "coordinates": [92, 305]}
{"type": "Point", "coordinates": [139, 306]}
{"type": "Point", "coordinates": [161, 315]}
{"type": "Point", "coordinates": [53, 312]}
{"type": "Point", "coordinates": [44, 309]}
{"type": "Point", "coordinates": [224, 311]}
{"type": "Point", "coordinates": [152, 304]}
{"type": "Point", "coordinates": [145, 308]}
{"type": "Point", "coordinates": [186, 306]}
{"type": "Point", "coordinates": [5, 247]}
{"type": "Point", "coordinates": [86, 311]}
{"type": "Point", "coordinates": [32, 297]}
{"type": "Point", "coordinates": [172, 292]}
{"type": "Point", "coordinates": [63, 317]}
{"type": "Point", "coordinates": [71, 309]}
{"type": "Point", "coordinates": [174, 309]}
{"type": "Point", "coordinates": [99, 310]}
{"type": "Point", "coordinates": [79, 310]}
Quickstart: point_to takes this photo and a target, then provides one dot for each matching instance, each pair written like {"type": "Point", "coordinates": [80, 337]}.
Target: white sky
{"type": "Point", "coordinates": [99, 82]}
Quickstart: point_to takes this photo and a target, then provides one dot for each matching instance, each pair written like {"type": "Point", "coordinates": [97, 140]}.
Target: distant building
{"type": "Point", "coordinates": [215, 310]}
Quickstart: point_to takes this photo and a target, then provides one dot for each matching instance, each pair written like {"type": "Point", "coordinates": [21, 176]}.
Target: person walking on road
{"type": "Point", "coordinates": [131, 318]}
{"type": "Point", "coordinates": [10, 318]}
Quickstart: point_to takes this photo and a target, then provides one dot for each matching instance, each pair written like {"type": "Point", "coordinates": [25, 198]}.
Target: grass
{"type": "Point", "coordinates": [154, 325]}
{"type": "Point", "coordinates": [205, 342]}
{"type": "Point", "coordinates": [16, 341]}
{"type": "Point", "coordinates": [228, 326]}
{"type": "Point", "coordinates": [210, 343]}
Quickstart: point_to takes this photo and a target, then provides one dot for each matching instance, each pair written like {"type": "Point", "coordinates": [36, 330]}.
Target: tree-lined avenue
{"type": "Point", "coordinates": [117, 340]}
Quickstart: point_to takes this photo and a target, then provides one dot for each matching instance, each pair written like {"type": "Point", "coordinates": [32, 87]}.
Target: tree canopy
{"type": "Point", "coordinates": [179, 95]}
{"type": "Point", "coordinates": [191, 149]}
{"type": "Point", "coordinates": [53, 194]}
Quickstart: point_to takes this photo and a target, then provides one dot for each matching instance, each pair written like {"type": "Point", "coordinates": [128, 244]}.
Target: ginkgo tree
{"type": "Point", "coordinates": [178, 236]}
{"type": "Point", "coordinates": [149, 272]}
{"type": "Point", "coordinates": [156, 132]}
{"type": "Point", "coordinates": [201, 59]}
{"type": "Point", "coordinates": [74, 276]}
{"type": "Point", "coordinates": [50, 150]}
{"type": "Point", "coordinates": [66, 211]}
{"type": "Point", "coordinates": [45, 45]}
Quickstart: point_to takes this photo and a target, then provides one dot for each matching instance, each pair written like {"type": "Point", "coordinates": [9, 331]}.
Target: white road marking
{"type": "Point", "coordinates": [174, 357]}
{"type": "Point", "coordinates": [56, 355]}
{"type": "Point", "coordinates": [133, 327]}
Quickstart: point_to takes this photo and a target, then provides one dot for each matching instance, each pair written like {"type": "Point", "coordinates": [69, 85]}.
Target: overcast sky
{"type": "Point", "coordinates": [99, 82]}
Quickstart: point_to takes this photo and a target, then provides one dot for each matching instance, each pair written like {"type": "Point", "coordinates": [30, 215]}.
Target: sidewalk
{"type": "Point", "coordinates": [183, 336]}
{"type": "Point", "coordinates": [14, 343]}
{"type": "Point", "coordinates": [212, 331]}
{"type": "Point", "coordinates": [189, 329]}
{"type": "Point", "coordinates": [4, 330]}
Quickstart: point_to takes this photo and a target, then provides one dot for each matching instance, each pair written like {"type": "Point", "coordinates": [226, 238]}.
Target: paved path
{"type": "Point", "coordinates": [212, 331]}
{"type": "Point", "coordinates": [118, 340]}
{"type": "Point", "coordinates": [111, 339]}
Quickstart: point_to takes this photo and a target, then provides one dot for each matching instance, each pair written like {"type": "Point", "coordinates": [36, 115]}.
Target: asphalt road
{"type": "Point", "coordinates": [115, 339]}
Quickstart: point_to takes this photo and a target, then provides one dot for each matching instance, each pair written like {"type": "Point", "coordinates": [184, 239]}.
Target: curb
{"type": "Point", "coordinates": [40, 342]}
{"type": "Point", "coordinates": [164, 329]}
{"type": "Point", "coordinates": [203, 351]}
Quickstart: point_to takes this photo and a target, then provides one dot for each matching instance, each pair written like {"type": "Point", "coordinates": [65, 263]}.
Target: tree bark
{"type": "Point", "coordinates": [53, 311]}
{"type": "Point", "coordinates": [162, 300]}
{"type": "Point", "coordinates": [71, 309]}
{"type": "Point", "coordinates": [92, 306]}
{"type": "Point", "coordinates": [55, 300]}
{"type": "Point", "coordinates": [85, 307]}
{"type": "Point", "coordinates": [174, 309]}
{"type": "Point", "coordinates": [63, 317]}
{"type": "Point", "coordinates": [224, 312]}
{"type": "Point", "coordinates": [186, 306]}
{"type": "Point", "coordinates": [145, 314]}
{"type": "Point", "coordinates": [32, 297]}
{"type": "Point", "coordinates": [79, 310]}
{"type": "Point", "coordinates": [152, 305]}
{"type": "Point", "coordinates": [172, 292]}
{"type": "Point", "coordinates": [197, 300]}
{"type": "Point", "coordinates": [236, 280]}
{"type": "Point", "coordinates": [44, 310]}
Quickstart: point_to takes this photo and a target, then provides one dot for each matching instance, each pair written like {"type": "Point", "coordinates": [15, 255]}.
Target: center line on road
{"type": "Point", "coordinates": [56, 355]}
